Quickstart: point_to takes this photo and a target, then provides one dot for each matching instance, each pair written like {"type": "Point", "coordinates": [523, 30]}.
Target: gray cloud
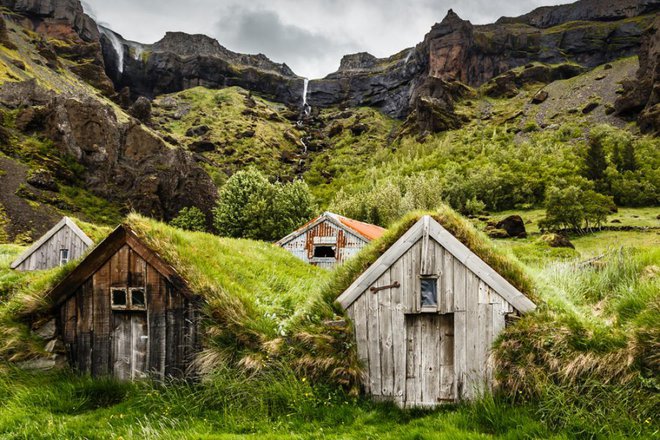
{"type": "Point", "coordinates": [309, 35]}
{"type": "Point", "coordinates": [263, 31]}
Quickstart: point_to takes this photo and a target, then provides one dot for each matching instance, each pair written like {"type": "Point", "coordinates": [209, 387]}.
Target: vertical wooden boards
{"type": "Point", "coordinates": [101, 322]}
{"type": "Point", "coordinates": [361, 322]}
{"type": "Point", "coordinates": [447, 283]}
{"type": "Point", "coordinates": [446, 393]}
{"type": "Point", "coordinates": [397, 273]}
{"type": "Point", "coordinates": [121, 346]}
{"type": "Point", "coordinates": [156, 320]}
{"type": "Point", "coordinates": [413, 361]}
{"type": "Point", "coordinates": [384, 298]}
{"type": "Point", "coordinates": [472, 334]}
{"type": "Point", "coordinates": [139, 345]}
{"type": "Point", "coordinates": [373, 338]}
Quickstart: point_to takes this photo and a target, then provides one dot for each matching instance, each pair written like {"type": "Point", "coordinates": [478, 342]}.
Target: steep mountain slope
{"type": "Point", "coordinates": [82, 145]}
{"type": "Point", "coordinates": [108, 125]}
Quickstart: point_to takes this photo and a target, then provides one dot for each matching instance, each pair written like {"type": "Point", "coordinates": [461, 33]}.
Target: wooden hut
{"type": "Point", "coordinates": [64, 242]}
{"type": "Point", "coordinates": [330, 239]}
{"type": "Point", "coordinates": [426, 314]}
{"type": "Point", "coordinates": [125, 312]}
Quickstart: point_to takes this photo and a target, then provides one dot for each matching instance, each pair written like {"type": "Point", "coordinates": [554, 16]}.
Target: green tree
{"type": "Point", "coordinates": [572, 207]}
{"type": "Point", "coordinates": [191, 219]}
{"type": "Point", "coordinates": [628, 158]}
{"type": "Point", "coordinates": [249, 206]}
{"type": "Point", "coordinates": [596, 162]}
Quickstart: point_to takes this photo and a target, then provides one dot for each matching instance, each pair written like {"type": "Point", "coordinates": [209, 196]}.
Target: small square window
{"type": "Point", "coordinates": [64, 256]}
{"type": "Point", "coordinates": [138, 299]}
{"type": "Point", "coordinates": [324, 251]}
{"type": "Point", "coordinates": [429, 288]}
{"type": "Point", "coordinates": [119, 298]}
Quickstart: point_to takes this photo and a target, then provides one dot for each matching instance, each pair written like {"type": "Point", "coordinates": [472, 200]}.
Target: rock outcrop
{"type": "Point", "coordinates": [180, 61]}
{"type": "Point", "coordinates": [642, 95]}
{"type": "Point", "coordinates": [584, 10]}
{"type": "Point", "coordinates": [52, 15]}
{"type": "Point", "coordinates": [123, 161]}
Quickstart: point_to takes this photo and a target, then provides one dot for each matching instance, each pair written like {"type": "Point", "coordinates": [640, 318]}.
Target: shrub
{"type": "Point", "coordinates": [249, 206]}
{"type": "Point", "coordinates": [574, 208]}
{"type": "Point", "coordinates": [190, 219]}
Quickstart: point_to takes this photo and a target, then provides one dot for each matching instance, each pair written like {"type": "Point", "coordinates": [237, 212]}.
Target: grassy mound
{"type": "Point", "coordinates": [503, 262]}
{"type": "Point", "coordinates": [590, 357]}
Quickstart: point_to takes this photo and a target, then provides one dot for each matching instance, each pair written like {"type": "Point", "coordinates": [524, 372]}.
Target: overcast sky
{"type": "Point", "coordinates": [311, 35]}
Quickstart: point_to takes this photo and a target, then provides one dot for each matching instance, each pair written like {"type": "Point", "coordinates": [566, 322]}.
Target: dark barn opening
{"type": "Point", "coordinates": [324, 252]}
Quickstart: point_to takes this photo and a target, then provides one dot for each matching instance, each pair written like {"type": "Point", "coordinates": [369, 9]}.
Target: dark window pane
{"type": "Point", "coordinates": [429, 292]}
{"type": "Point", "coordinates": [324, 252]}
{"type": "Point", "coordinates": [137, 298]}
{"type": "Point", "coordinates": [119, 297]}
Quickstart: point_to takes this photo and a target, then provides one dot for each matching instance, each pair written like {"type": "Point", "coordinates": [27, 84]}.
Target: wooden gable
{"type": "Point", "coordinates": [421, 355]}
{"type": "Point", "coordinates": [125, 312]}
{"type": "Point", "coordinates": [45, 252]}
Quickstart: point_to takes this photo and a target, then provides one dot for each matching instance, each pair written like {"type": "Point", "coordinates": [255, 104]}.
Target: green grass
{"type": "Point", "coordinates": [56, 405]}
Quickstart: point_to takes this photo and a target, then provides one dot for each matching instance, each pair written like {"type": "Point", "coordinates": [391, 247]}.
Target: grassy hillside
{"type": "Point", "coordinates": [584, 366]}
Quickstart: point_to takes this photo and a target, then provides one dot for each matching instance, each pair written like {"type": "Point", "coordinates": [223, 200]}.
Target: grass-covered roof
{"type": "Point", "coordinates": [500, 260]}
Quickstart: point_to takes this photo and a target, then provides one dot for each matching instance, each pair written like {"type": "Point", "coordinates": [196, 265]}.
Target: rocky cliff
{"type": "Point", "coordinates": [181, 61]}
{"type": "Point", "coordinates": [642, 95]}
{"type": "Point", "coordinates": [456, 50]}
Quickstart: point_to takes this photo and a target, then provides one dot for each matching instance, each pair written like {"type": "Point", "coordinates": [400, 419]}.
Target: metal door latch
{"type": "Point", "coordinates": [394, 285]}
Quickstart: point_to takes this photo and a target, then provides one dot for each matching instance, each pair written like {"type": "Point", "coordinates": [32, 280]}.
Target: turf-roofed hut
{"type": "Point", "coordinates": [155, 300]}
{"type": "Point", "coordinates": [64, 242]}
{"type": "Point", "coordinates": [428, 308]}
{"type": "Point", "coordinates": [330, 239]}
{"type": "Point", "coordinates": [124, 311]}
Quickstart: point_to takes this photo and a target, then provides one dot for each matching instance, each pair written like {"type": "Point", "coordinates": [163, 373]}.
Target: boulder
{"type": "Point", "coordinates": [47, 331]}
{"type": "Point", "coordinates": [42, 179]}
{"type": "Point", "coordinates": [513, 225]}
{"type": "Point", "coordinates": [200, 130]}
{"type": "Point", "coordinates": [557, 241]}
{"type": "Point", "coordinates": [141, 109]}
{"type": "Point", "coordinates": [497, 233]}
{"type": "Point", "coordinates": [540, 97]}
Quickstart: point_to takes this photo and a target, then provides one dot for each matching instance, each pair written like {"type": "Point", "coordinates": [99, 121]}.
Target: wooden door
{"type": "Point", "coordinates": [130, 345]}
{"type": "Point", "coordinates": [429, 359]}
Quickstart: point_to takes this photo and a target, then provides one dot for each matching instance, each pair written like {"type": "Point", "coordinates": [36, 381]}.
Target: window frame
{"type": "Point", "coordinates": [65, 260]}
{"type": "Point", "coordinates": [112, 298]}
{"type": "Point", "coordinates": [144, 293]}
{"type": "Point", "coordinates": [324, 245]}
{"type": "Point", "coordinates": [431, 308]}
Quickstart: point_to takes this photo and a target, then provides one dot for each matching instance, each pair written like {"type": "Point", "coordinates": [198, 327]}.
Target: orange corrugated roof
{"type": "Point", "coordinates": [372, 232]}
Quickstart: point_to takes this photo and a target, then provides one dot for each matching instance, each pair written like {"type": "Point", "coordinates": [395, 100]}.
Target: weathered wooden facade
{"type": "Point", "coordinates": [426, 314]}
{"type": "Point", "coordinates": [124, 312]}
{"type": "Point", "coordinates": [64, 242]}
{"type": "Point", "coordinates": [330, 239]}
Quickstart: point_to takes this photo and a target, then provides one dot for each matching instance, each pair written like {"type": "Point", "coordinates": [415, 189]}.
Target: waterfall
{"type": "Point", "coordinates": [307, 109]}
{"type": "Point", "coordinates": [408, 56]}
{"type": "Point", "coordinates": [116, 45]}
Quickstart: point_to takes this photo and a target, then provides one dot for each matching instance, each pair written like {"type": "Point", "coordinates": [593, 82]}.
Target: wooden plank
{"type": "Point", "coordinates": [425, 266]}
{"type": "Point", "coordinates": [460, 322]}
{"type": "Point", "coordinates": [412, 361]}
{"type": "Point", "coordinates": [460, 293]}
{"type": "Point", "coordinates": [121, 346]}
{"type": "Point", "coordinates": [102, 321]}
{"type": "Point", "coordinates": [139, 345]}
{"type": "Point", "coordinates": [156, 321]}
{"type": "Point", "coordinates": [447, 358]}
{"type": "Point", "coordinates": [473, 334]}
{"type": "Point", "coordinates": [385, 329]}
{"type": "Point", "coordinates": [360, 322]}
{"type": "Point", "coordinates": [398, 333]}
{"type": "Point", "coordinates": [447, 283]}
{"type": "Point", "coordinates": [373, 337]}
